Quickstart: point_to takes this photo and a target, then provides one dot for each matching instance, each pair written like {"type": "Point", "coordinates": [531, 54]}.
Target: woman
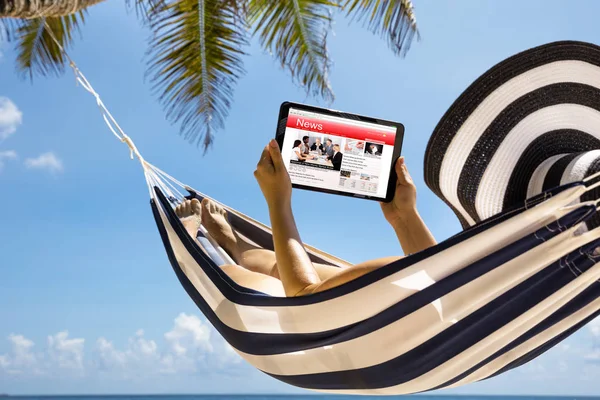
{"type": "Point", "coordinates": [288, 271]}
{"type": "Point", "coordinates": [297, 153]}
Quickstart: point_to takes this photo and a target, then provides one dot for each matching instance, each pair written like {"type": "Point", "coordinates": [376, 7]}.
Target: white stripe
{"type": "Point", "coordinates": [488, 346]}
{"type": "Point", "coordinates": [416, 328]}
{"type": "Point", "coordinates": [536, 183]}
{"type": "Point", "coordinates": [531, 344]}
{"type": "Point", "coordinates": [335, 313]}
{"type": "Point", "coordinates": [577, 168]}
{"type": "Point", "coordinates": [465, 139]}
{"type": "Point", "coordinates": [496, 177]}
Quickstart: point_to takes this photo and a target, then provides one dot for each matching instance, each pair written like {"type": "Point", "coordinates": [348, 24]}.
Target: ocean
{"type": "Point", "coordinates": [294, 397]}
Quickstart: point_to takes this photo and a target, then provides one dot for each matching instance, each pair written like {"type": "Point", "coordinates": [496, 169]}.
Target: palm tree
{"type": "Point", "coordinates": [196, 47]}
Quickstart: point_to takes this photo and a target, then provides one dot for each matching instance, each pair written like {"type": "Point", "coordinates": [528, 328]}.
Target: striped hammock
{"type": "Point", "coordinates": [493, 297]}
{"type": "Point", "coordinates": [485, 301]}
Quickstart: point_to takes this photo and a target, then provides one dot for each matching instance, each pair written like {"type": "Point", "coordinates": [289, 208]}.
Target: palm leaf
{"type": "Point", "coordinates": [7, 26]}
{"type": "Point", "coordinates": [394, 20]}
{"type": "Point", "coordinates": [296, 32]}
{"type": "Point", "coordinates": [36, 50]}
{"type": "Point", "coordinates": [196, 60]}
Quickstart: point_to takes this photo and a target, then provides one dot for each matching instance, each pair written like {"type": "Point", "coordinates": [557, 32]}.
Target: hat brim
{"type": "Point", "coordinates": [535, 114]}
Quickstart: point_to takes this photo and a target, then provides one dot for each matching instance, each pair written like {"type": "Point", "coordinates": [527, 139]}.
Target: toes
{"type": "Point", "coordinates": [187, 208]}
{"type": "Point", "coordinates": [196, 207]}
{"type": "Point", "coordinates": [205, 205]}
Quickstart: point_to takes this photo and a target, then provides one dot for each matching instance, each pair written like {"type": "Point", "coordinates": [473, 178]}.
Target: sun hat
{"type": "Point", "coordinates": [530, 123]}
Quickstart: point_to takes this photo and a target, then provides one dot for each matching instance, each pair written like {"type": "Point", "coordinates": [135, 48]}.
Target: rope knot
{"type": "Point", "coordinates": [132, 149]}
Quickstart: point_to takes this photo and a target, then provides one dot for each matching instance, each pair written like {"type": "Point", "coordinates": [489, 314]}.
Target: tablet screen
{"type": "Point", "coordinates": [338, 154]}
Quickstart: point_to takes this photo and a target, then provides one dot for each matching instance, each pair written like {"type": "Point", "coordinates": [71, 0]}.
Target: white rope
{"type": "Point", "coordinates": [153, 175]}
{"type": "Point", "coordinates": [108, 118]}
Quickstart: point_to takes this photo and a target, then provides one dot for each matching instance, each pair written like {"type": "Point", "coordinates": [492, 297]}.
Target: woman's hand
{"type": "Point", "coordinates": [272, 176]}
{"type": "Point", "coordinates": [405, 196]}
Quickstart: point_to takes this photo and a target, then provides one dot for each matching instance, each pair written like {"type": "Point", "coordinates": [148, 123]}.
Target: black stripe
{"type": "Point", "coordinates": [594, 292]}
{"type": "Point", "coordinates": [556, 171]}
{"type": "Point", "coordinates": [264, 344]}
{"type": "Point", "coordinates": [451, 342]}
{"type": "Point", "coordinates": [547, 145]}
{"type": "Point", "coordinates": [582, 300]}
{"type": "Point", "coordinates": [492, 137]}
{"type": "Point", "coordinates": [487, 83]}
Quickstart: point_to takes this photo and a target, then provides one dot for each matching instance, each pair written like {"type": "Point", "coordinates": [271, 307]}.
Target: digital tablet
{"type": "Point", "coordinates": [336, 152]}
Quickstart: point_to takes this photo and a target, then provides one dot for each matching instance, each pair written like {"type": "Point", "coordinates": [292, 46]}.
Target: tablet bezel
{"type": "Point", "coordinates": [280, 134]}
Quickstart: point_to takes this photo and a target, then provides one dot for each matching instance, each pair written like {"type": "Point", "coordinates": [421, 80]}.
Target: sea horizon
{"type": "Point", "coordinates": [280, 395]}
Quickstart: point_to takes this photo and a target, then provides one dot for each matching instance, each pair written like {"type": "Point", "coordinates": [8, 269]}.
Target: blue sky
{"type": "Point", "coordinates": [88, 301]}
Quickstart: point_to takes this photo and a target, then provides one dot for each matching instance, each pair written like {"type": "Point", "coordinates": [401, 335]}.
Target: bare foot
{"type": "Point", "coordinates": [190, 213]}
{"type": "Point", "coordinates": [214, 219]}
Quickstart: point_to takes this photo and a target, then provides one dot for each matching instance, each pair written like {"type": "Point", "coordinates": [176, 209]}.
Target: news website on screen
{"type": "Point", "coordinates": [334, 153]}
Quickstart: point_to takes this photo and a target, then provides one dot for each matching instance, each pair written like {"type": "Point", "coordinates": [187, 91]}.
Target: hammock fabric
{"type": "Point", "coordinates": [521, 277]}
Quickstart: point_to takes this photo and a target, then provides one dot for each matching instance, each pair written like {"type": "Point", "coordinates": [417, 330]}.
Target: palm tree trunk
{"type": "Point", "coordinates": [24, 9]}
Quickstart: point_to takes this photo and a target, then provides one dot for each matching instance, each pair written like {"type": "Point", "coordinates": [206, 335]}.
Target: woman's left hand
{"type": "Point", "coordinates": [272, 176]}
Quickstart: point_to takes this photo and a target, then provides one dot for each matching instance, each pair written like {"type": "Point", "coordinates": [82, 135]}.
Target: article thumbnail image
{"type": "Point", "coordinates": [317, 150]}
{"type": "Point", "coordinates": [373, 149]}
{"type": "Point", "coordinates": [354, 147]}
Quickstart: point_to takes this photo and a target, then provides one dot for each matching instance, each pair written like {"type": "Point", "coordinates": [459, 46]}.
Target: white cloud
{"type": "Point", "coordinates": [21, 359]}
{"type": "Point", "coordinates": [48, 161]}
{"type": "Point", "coordinates": [189, 346]}
{"type": "Point", "coordinates": [140, 358]}
{"type": "Point", "coordinates": [188, 342]}
{"type": "Point", "coordinates": [10, 118]}
{"type": "Point", "coordinates": [187, 334]}
{"type": "Point", "coordinates": [109, 357]}
{"type": "Point", "coordinates": [7, 155]}
{"type": "Point", "coordinates": [64, 352]}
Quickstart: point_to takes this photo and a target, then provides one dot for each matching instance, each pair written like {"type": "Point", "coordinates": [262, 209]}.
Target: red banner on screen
{"type": "Point", "coordinates": [340, 129]}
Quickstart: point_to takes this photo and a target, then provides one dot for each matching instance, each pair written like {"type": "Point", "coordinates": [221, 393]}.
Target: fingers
{"type": "Point", "coordinates": [264, 156]}
{"type": "Point", "coordinates": [404, 177]}
{"type": "Point", "coordinates": [275, 153]}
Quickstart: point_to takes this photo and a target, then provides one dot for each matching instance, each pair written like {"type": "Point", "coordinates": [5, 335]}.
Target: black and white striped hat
{"type": "Point", "coordinates": [530, 123]}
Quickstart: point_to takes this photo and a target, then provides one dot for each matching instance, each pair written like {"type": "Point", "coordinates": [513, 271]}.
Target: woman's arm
{"type": "Point", "coordinates": [413, 234]}
{"type": "Point", "coordinates": [296, 271]}
{"type": "Point", "coordinates": [402, 214]}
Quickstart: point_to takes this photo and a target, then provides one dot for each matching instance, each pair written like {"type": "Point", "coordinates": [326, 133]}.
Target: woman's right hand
{"type": "Point", "coordinates": [405, 195]}
{"type": "Point", "coordinates": [272, 176]}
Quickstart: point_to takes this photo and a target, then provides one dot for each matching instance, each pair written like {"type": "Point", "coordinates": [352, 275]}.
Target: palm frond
{"type": "Point", "coordinates": [36, 50]}
{"type": "Point", "coordinates": [394, 20]}
{"type": "Point", "coordinates": [7, 27]}
{"type": "Point", "coordinates": [296, 32]}
{"type": "Point", "coordinates": [195, 51]}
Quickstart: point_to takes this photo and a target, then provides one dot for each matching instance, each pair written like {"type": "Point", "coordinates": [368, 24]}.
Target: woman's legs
{"type": "Point", "coordinates": [246, 254]}
{"type": "Point", "coordinates": [259, 270]}
{"type": "Point", "coordinates": [254, 280]}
